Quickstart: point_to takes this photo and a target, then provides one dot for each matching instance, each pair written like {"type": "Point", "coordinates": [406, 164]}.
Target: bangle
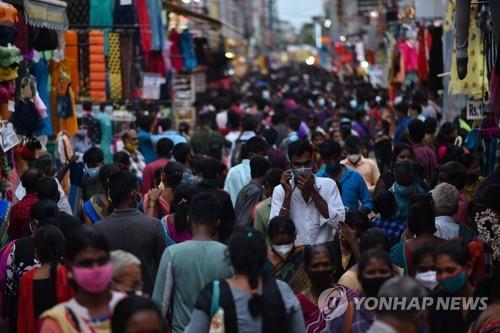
{"type": "Point", "coordinates": [284, 208]}
{"type": "Point", "coordinates": [151, 204]}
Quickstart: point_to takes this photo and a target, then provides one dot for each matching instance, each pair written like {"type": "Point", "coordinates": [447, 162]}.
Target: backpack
{"type": "Point", "coordinates": [237, 152]}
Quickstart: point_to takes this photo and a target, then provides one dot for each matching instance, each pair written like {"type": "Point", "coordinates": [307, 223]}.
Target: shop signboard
{"type": "Point", "coordinates": [475, 110]}
{"type": "Point", "coordinates": [184, 95]}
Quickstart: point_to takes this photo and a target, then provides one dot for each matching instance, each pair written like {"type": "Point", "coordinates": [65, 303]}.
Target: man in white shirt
{"type": "Point", "coordinates": [239, 175]}
{"type": "Point", "coordinates": [314, 204]}
{"type": "Point", "coordinates": [445, 198]}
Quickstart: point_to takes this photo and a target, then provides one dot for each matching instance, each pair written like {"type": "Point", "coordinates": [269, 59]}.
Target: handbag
{"type": "Point", "coordinates": [216, 312]}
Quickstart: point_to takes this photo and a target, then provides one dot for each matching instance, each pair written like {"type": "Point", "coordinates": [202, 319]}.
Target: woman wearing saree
{"type": "Point", "coordinates": [99, 206]}
{"type": "Point", "coordinates": [158, 200]}
{"type": "Point", "coordinates": [286, 258]}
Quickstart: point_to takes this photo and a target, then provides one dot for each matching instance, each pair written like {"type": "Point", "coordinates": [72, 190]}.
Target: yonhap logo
{"type": "Point", "coordinates": [333, 302]}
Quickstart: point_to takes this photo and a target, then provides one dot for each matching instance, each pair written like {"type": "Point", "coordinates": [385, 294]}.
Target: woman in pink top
{"type": "Point", "coordinates": [176, 224]}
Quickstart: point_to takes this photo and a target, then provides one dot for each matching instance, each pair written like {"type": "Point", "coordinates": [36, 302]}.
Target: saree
{"type": "Point", "coordinates": [291, 270]}
{"type": "Point", "coordinates": [96, 209]}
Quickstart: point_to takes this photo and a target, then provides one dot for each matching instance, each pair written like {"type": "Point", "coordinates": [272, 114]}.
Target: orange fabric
{"type": "Point", "coordinates": [71, 53]}
{"type": "Point", "coordinates": [8, 15]}
{"type": "Point", "coordinates": [97, 66]}
{"type": "Point", "coordinates": [26, 321]}
{"type": "Point", "coordinates": [70, 125]}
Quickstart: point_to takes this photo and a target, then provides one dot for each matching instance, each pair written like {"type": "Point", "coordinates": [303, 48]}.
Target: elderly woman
{"type": "Point", "coordinates": [127, 277]}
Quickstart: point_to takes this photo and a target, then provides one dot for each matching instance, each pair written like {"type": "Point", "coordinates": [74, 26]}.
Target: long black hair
{"type": "Point", "coordinates": [173, 174]}
{"type": "Point", "coordinates": [130, 306]}
{"type": "Point", "coordinates": [248, 253]}
{"type": "Point", "coordinates": [49, 246]}
{"type": "Point", "coordinates": [180, 205]}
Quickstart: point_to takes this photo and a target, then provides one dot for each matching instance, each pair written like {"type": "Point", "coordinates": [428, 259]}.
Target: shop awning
{"type": "Point", "coordinates": [181, 10]}
{"type": "Point", "coordinates": [50, 14]}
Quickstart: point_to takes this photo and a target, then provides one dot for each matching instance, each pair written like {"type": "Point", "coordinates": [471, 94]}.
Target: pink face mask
{"type": "Point", "coordinates": [94, 280]}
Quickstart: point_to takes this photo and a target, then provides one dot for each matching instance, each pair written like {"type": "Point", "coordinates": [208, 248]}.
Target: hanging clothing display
{"type": "Point", "coordinates": [106, 136]}
{"type": "Point", "coordinates": [62, 101]}
{"type": "Point", "coordinates": [424, 42]}
{"type": "Point", "coordinates": [175, 51]}
{"type": "Point", "coordinates": [84, 63]}
{"type": "Point", "coordinates": [97, 66]}
{"type": "Point", "coordinates": [144, 25]}
{"type": "Point", "coordinates": [436, 65]}
{"type": "Point", "coordinates": [187, 51]}
{"type": "Point", "coordinates": [127, 59]}
{"type": "Point", "coordinates": [154, 9]}
{"type": "Point", "coordinates": [115, 67]}
{"type": "Point", "coordinates": [78, 12]}
{"type": "Point", "coordinates": [101, 13]}
{"type": "Point", "coordinates": [71, 56]}
{"type": "Point", "coordinates": [475, 84]}
{"type": "Point", "coordinates": [124, 13]}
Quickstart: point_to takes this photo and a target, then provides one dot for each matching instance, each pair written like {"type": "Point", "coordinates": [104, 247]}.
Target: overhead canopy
{"type": "Point", "coordinates": [50, 14]}
{"type": "Point", "coordinates": [181, 10]}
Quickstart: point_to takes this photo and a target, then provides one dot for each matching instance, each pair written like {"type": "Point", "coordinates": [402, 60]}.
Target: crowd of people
{"type": "Point", "coordinates": [290, 184]}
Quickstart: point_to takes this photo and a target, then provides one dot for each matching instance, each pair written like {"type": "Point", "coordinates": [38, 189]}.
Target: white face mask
{"type": "Point", "coordinates": [427, 279]}
{"type": "Point", "coordinates": [354, 158]}
{"type": "Point", "coordinates": [283, 250]}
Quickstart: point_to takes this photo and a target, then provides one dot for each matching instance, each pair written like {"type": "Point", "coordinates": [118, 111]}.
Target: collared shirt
{"type": "Point", "coordinates": [368, 169]}
{"type": "Point", "coordinates": [353, 188]}
{"type": "Point", "coordinates": [427, 159]}
{"type": "Point", "coordinates": [172, 135]}
{"type": "Point", "coordinates": [312, 227]}
{"type": "Point", "coordinates": [137, 163]}
{"type": "Point", "coordinates": [446, 227]}
{"type": "Point", "coordinates": [148, 176]}
{"type": "Point", "coordinates": [237, 177]}
{"type": "Point", "coordinates": [262, 213]}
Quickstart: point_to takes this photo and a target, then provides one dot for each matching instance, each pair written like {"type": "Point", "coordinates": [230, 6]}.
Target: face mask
{"type": "Point", "coordinates": [92, 172]}
{"type": "Point", "coordinates": [427, 279]}
{"type": "Point", "coordinates": [405, 190]}
{"type": "Point", "coordinates": [321, 279]}
{"type": "Point", "coordinates": [283, 250]}
{"type": "Point", "coordinates": [454, 283]}
{"type": "Point", "coordinates": [353, 103]}
{"type": "Point", "coordinates": [321, 102]}
{"type": "Point", "coordinates": [333, 169]}
{"type": "Point", "coordinates": [94, 280]}
{"type": "Point", "coordinates": [354, 158]}
{"type": "Point", "coordinates": [372, 286]}
{"type": "Point", "coordinates": [131, 146]}
{"type": "Point", "coordinates": [302, 171]}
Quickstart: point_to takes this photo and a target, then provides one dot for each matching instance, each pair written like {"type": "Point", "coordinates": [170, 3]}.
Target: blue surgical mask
{"type": "Point", "coordinates": [404, 190]}
{"type": "Point", "coordinates": [454, 283]}
{"type": "Point", "coordinates": [92, 172]}
{"type": "Point", "coordinates": [302, 171]}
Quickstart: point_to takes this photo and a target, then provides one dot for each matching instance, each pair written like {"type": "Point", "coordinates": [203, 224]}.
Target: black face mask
{"type": "Point", "coordinates": [321, 279]}
{"type": "Point", "coordinates": [372, 286]}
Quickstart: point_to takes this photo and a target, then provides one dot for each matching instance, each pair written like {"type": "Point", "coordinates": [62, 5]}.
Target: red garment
{"type": "Point", "coordinates": [144, 24]}
{"type": "Point", "coordinates": [20, 217]}
{"type": "Point", "coordinates": [148, 175]}
{"type": "Point", "coordinates": [26, 321]}
{"type": "Point", "coordinates": [156, 63]}
{"type": "Point", "coordinates": [424, 41]}
{"type": "Point", "coordinates": [175, 51]}
{"type": "Point", "coordinates": [462, 214]}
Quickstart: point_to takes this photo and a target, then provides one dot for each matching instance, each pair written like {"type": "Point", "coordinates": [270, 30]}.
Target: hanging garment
{"type": "Point", "coordinates": [475, 83]}
{"type": "Point", "coordinates": [7, 35]}
{"type": "Point", "coordinates": [127, 59]}
{"type": "Point", "coordinates": [93, 128]}
{"type": "Point", "coordinates": [187, 51]}
{"type": "Point", "coordinates": [200, 46]}
{"type": "Point", "coordinates": [436, 66]}
{"type": "Point", "coordinates": [424, 41]}
{"type": "Point", "coordinates": [155, 63]}
{"type": "Point", "coordinates": [154, 9]}
{"type": "Point", "coordinates": [71, 55]}
{"type": "Point", "coordinates": [42, 39]}
{"type": "Point", "coordinates": [144, 25]}
{"type": "Point", "coordinates": [25, 119]}
{"type": "Point", "coordinates": [106, 136]}
{"type": "Point", "coordinates": [62, 100]}
{"type": "Point", "coordinates": [101, 13]}
{"type": "Point", "coordinates": [124, 14]}
{"type": "Point", "coordinates": [8, 14]}
{"type": "Point", "coordinates": [78, 12]}
{"type": "Point", "coordinates": [175, 51]}
{"type": "Point", "coordinates": [410, 56]}
{"type": "Point", "coordinates": [97, 72]}
{"type": "Point", "coordinates": [166, 55]}
{"type": "Point", "coordinates": [22, 37]}
{"type": "Point", "coordinates": [41, 73]}
{"type": "Point", "coordinates": [83, 63]}
{"type": "Point", "coordinates": [115, 66]}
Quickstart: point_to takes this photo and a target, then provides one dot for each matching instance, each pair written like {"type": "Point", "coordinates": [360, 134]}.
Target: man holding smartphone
{"type": "Point", "coordinates": [314, 204]}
